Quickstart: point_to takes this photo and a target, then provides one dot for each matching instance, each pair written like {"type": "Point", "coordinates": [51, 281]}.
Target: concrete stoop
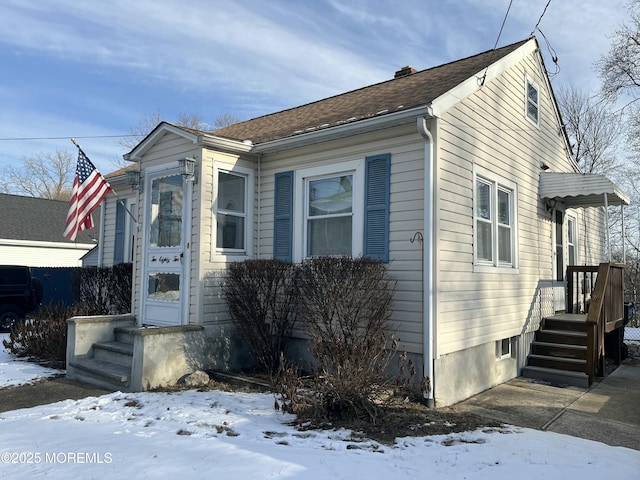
{"type": "Point", "coordinates": [108, 364]}
{"type": "Point", "coordinates": [113, 353]}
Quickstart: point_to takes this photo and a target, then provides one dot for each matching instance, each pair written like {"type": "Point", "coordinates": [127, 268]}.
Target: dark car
{"type": "Point", "coordinates": [20, 294]}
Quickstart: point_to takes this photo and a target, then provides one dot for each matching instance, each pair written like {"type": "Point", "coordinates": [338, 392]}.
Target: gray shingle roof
{"type": "Point", "coordinates": [38, 219]}
{"type": "Point", "coordinates": [416, 89]}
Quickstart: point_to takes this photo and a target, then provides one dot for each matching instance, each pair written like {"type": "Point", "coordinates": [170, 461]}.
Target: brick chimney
{"type": "Point", "coordinates": [404, 71]}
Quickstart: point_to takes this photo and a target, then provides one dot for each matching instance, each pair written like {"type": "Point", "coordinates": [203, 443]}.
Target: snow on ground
{"type": "Point", "coordinates": [222, 435]}
{"type": "Point", "coordinates": [14, 371]}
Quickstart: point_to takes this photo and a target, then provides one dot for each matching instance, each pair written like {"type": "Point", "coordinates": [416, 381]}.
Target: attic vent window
{"type": "Point", "coordinates": [405, 71]}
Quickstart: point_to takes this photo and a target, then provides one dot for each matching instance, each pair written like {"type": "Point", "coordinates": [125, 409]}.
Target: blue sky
{"type": "Point", "coordinates": [92, 70]}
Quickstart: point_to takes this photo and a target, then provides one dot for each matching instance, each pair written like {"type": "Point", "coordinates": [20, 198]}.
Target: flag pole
{"type": "Point", "coordinates": [124, 205]}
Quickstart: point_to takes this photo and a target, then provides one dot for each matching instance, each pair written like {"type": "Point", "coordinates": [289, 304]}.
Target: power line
{"type": "Point", "coordinates": [482, 79]}
{"type": "Point", "coordinates": [18, 139]}
{"type": "Point", "coordinates": [540, 19]}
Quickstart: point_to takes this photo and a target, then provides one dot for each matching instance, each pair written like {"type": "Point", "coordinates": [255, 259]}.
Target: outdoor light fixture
{"type": "Point", "coordinates": [188, 168]}
{"type": "Point", "coordinates": [133, 179]}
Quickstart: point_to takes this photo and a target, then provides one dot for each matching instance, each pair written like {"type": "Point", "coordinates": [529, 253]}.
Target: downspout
{"type": "Point", "coordinates": [428, 290]}
{"type": "Point", "coordinates": [258, 203]}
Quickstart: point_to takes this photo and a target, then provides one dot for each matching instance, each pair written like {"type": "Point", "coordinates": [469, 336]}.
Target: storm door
{"type": "Point", "coordinates": [165, 280]}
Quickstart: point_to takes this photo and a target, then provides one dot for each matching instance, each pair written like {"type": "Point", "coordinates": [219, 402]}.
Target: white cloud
{"type": "Point", "coordinates": [130, 58]}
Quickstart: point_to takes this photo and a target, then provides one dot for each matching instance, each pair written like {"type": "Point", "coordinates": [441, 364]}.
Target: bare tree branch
{"type": "Point", "coordinates": [45, 175]}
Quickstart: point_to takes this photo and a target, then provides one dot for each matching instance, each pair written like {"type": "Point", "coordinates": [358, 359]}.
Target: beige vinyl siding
{"type": "Point", "coordinates": [109, 233]}
{"type": "Point", "coordinates": [489, 129]}
{"type": "Point", "coordinates": [213, 264]}
{"type": "Point", "coordinates": [110, 205]}
{"type": "Point", "coordinates": [406, 211]}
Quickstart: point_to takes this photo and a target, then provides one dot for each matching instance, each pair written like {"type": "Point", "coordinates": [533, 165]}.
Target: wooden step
{"type": "Point", "coordinates": [564, 337]}
{"type": "Point", "coordinates": [566, 322]}
{"type": "Point", "coordinates": [557, 377]}
{"type": "Point", "coordinates": [559, 363]}
{"type": "Point", "coordinates": [559, 350]}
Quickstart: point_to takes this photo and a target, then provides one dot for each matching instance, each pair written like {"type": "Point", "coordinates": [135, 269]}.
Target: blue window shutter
{"type": "Point", "coordinates": [283, 221]}
{"type": "Point", "coordinates": [376, 215]}
{"type": "Point", "coordinates": [118, 247]}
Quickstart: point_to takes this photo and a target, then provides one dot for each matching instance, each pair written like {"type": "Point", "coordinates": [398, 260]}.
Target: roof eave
{"type": "Point", "coordinates": [388, 120]}
{"type": "Point", "coordinates": [202, 138]}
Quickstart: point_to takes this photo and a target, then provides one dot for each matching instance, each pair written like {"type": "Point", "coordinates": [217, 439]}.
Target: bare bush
{"type": "Point", "coordinates": [262, 300]}
{"type": "Point", "coordinates": [104, 290]}
{"type": "Point", "coordinates": [44, 337]}
{"type": "Point", "coordinates": [345, 306]}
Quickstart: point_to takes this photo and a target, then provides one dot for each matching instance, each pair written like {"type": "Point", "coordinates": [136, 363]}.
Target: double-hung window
{"type": "Point", "coordinates": [232, 211]}
{"type": "Point", "coordinates": [341, 209]}
{"type": "Point", "coordinates": [494, 221]}
{"type": "Point", "coordinates": [329, 215]}
{"type": "Point", "coordinates": [572, 240]}
{"type": "Point", "coordinates": [330, 207]}
{"type": "Point", "coordinates": [532, 108]}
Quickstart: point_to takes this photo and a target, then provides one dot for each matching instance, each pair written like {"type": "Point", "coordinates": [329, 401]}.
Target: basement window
{"type": "Point", "coordinates": [503, 348]}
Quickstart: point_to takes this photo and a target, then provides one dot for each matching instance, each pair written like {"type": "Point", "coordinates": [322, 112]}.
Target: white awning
{"type": "Point", "coordinates": [581, 189]}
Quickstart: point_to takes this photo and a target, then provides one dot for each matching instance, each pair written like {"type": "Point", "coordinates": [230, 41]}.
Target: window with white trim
{"type": "Point", "coordinates": [503, 349]}
{"type": "Point", "coordinates": [572, 241]}
{"type": "Point", "coordinates": [532, 109]}
{"type": "Point", "coordinates": [329, 215]}
{"type": "Point", "coordinates": [329, 201]}
{"type": "Point", "coordinates": [232, 210]}
{"type": "Point", "coordinates": [495, 221]}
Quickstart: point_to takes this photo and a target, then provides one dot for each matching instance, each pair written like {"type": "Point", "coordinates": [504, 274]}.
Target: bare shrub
{"type": "Point", "coordinates": [345, 307]}
{"type": "Point", "coordinates": [104, 290]}
{"type": "Point", "coordinates": [44, 337]}
{"type": "Point", "coordinates": [262, 300]}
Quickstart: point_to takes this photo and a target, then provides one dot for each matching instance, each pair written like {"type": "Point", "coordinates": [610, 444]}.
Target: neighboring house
{"type": "Point", "coordinates": [459, 176]}
{"type": "Point", "coordinates": [31, 233]}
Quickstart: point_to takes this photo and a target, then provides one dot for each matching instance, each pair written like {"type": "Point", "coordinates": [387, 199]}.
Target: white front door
{"type": "Point", "coordinates": [165, 282]}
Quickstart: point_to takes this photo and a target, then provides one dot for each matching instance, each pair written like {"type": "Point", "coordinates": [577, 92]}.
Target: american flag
{"type": "Point", "coordinates": [89, 188]}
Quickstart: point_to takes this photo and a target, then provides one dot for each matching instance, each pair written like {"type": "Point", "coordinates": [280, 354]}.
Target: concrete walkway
{"type": "Point", "coordinates": [607, 412]}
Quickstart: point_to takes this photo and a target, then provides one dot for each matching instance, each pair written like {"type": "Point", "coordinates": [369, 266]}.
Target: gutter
{"type": "Point", "coordinates": [372, 124]}
{"type": "Point", "coordinates": [428, 285]}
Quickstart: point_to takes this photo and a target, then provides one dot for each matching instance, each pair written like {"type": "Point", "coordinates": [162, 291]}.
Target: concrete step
{"type": "Point", "coordinates": [564, 337]}
{"type": "Point", "coordinates": [101, 373]}
{"type": "Point", "coordinates": [114, 352]}
{"type": "Point", "coordinates": [123, 334]}
{"type": "Point", "coordinates": [559, 363]}
{"type": "Point", "coordinates": [552, 349]}
{"type": "Point", "coordinates": [556, 377]}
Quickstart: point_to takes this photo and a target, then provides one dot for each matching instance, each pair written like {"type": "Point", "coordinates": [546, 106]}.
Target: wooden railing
{"type": "Point", "coordinates": [598, 292]}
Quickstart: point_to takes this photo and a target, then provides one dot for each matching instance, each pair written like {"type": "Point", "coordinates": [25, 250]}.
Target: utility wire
{"type": "Point", "coordinates": [482, 79]}
{"type": "Point", "coordinates": [17, 139]}
{"type": "Point", "coordinates": [540, 19]}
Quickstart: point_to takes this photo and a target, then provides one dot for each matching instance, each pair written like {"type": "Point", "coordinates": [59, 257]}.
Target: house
{"type": "Point", "coordinates": [31, 233]}
{"type": "Point", "coordinates": [460, 176]}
